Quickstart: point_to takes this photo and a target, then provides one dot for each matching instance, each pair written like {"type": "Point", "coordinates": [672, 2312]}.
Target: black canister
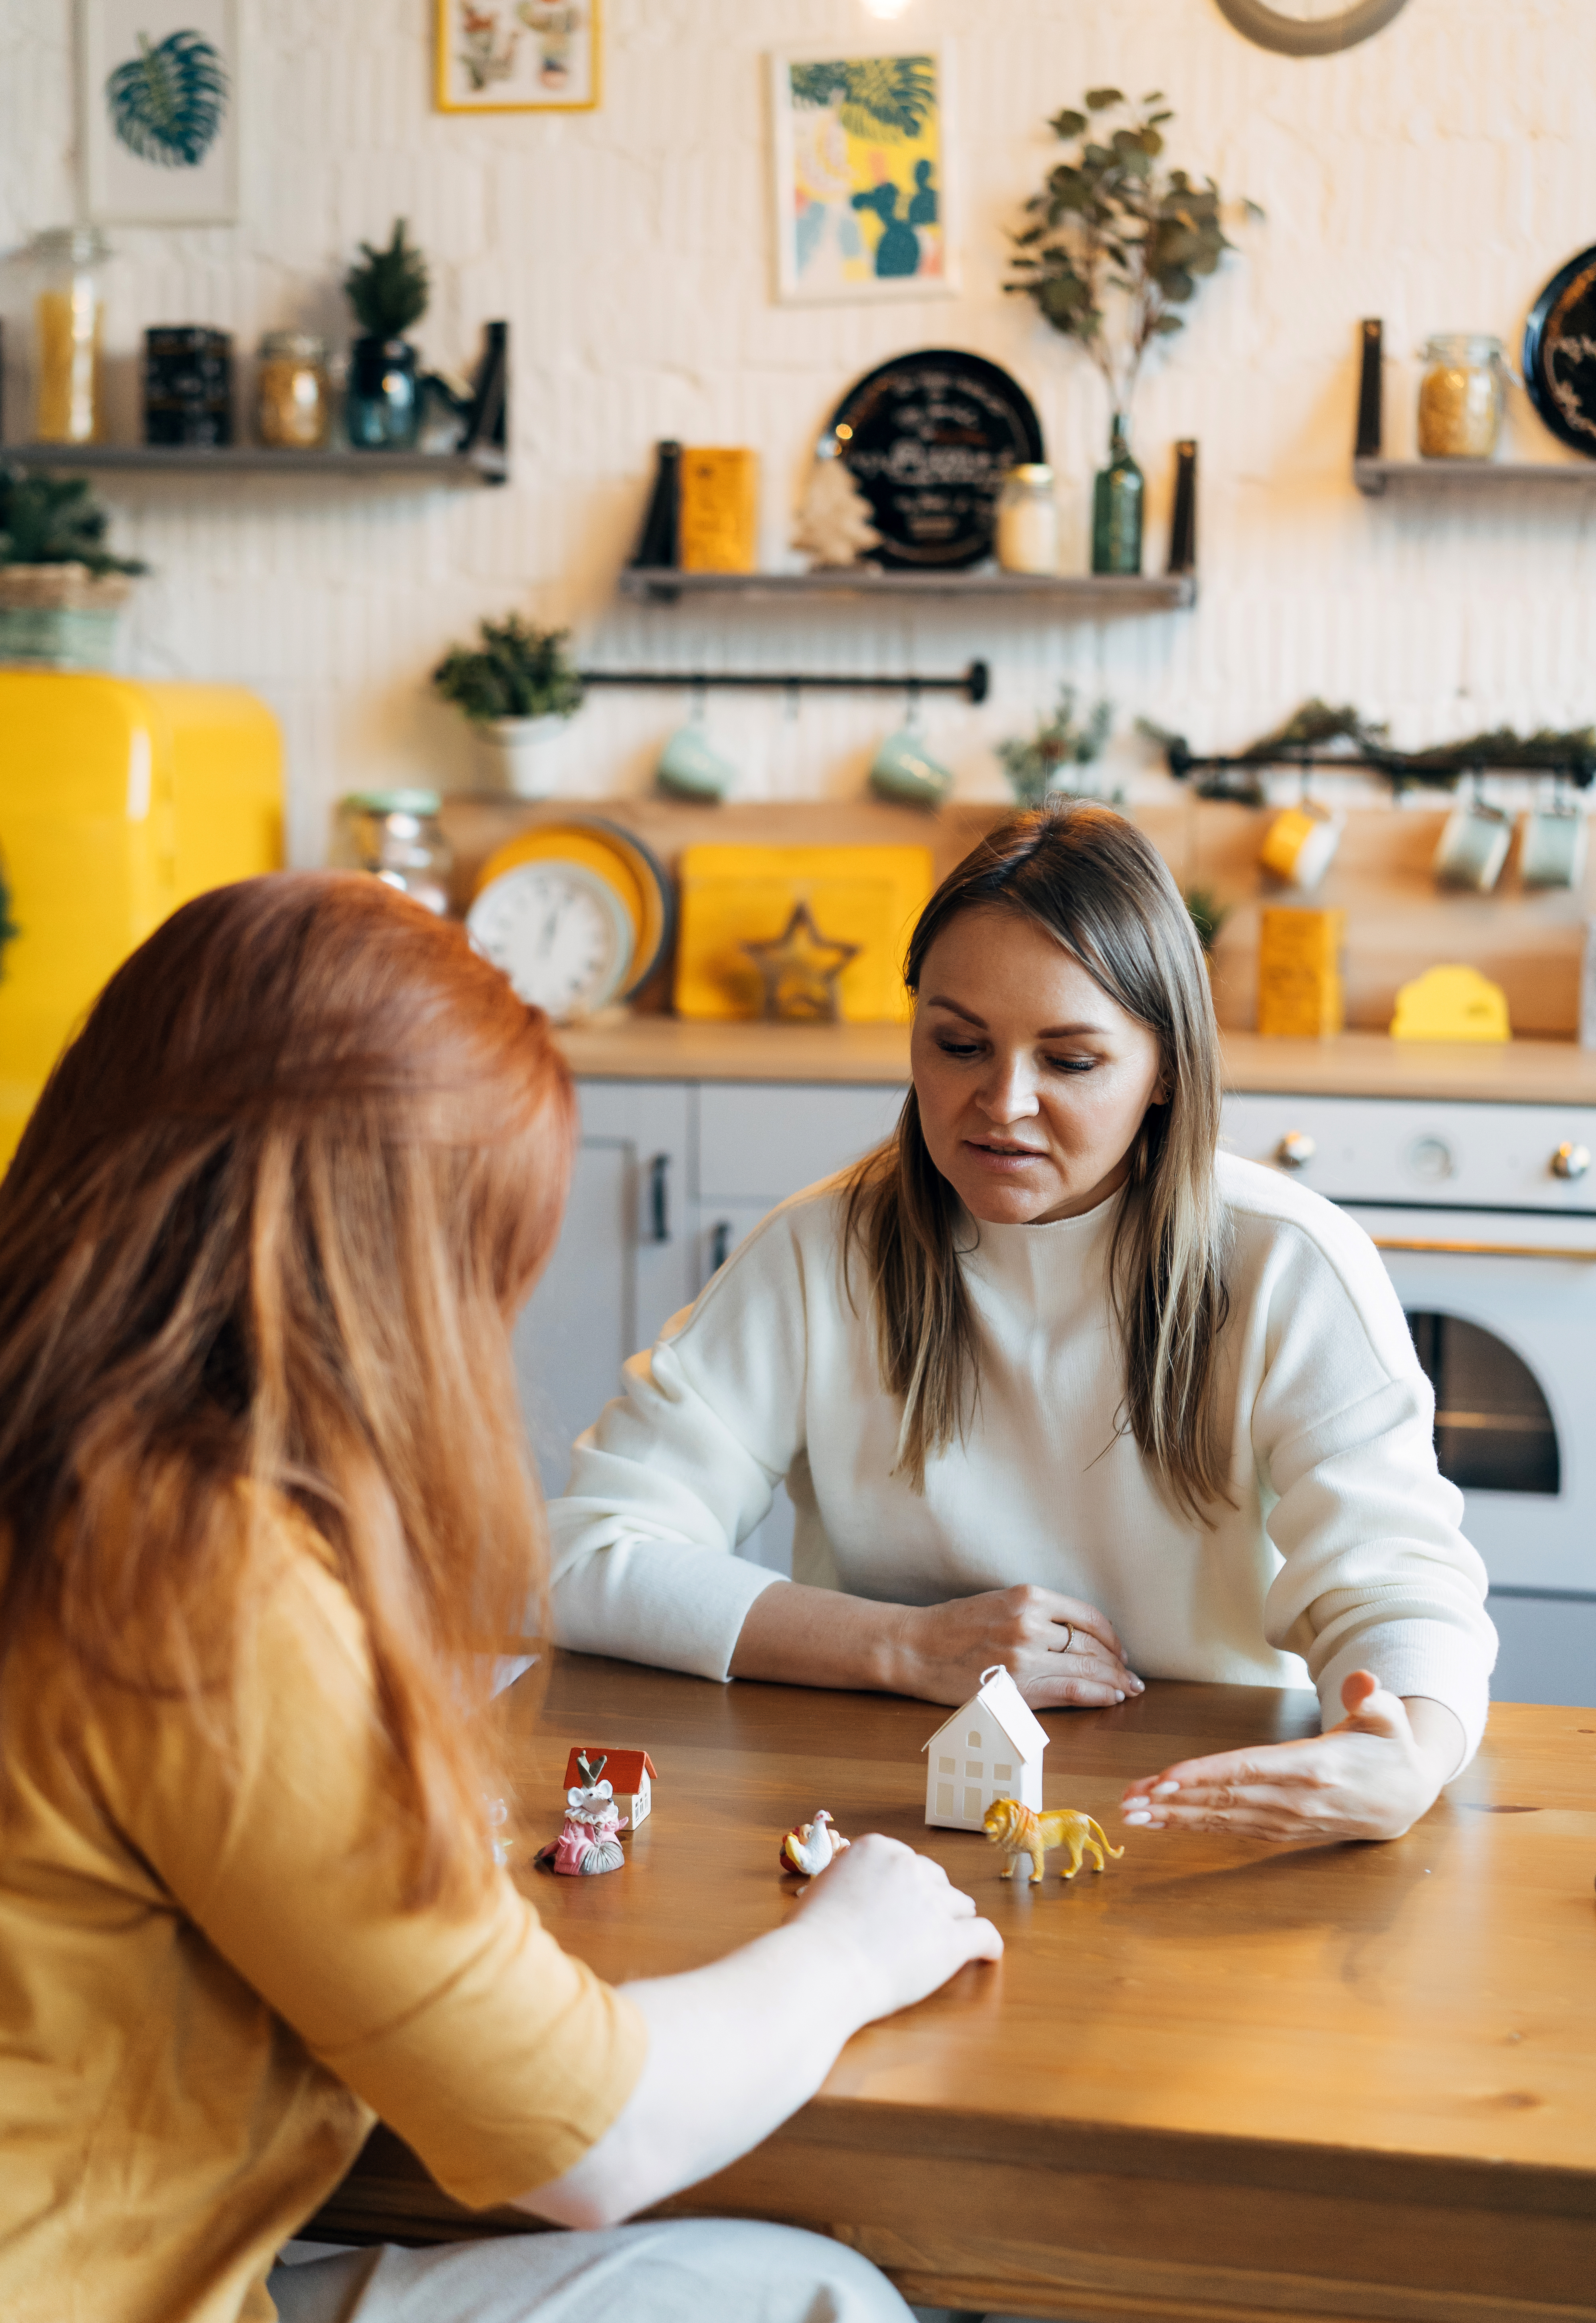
{"type": "Point", "coordinates": [187, 385]}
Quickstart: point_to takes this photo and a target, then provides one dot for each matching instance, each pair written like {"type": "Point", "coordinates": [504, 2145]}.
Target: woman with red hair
{"type": "Point", "coordinates": [265, 1518]}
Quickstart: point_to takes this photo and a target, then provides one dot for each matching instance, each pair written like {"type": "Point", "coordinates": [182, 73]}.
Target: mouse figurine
{"type": "Point", "coordinates": [1020, 1831]}
{"type": "Point", "coordinates": [809, 1847]}
{"type": "Point", "coordinates": [588, 1842]}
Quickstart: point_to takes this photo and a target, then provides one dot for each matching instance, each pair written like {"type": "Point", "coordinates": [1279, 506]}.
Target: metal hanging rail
{"type": "Point", "coordinates": [974, 683]}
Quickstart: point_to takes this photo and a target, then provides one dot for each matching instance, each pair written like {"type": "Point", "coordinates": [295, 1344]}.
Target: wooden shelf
{"type": "Point", "coordinates": [1083, 595]}
{"type": "Point", "coordinates": [450, 468]}
{"type": "Point", "coordinates": [1376, 476]}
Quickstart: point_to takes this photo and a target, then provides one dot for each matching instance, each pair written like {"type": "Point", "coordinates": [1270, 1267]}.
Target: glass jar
{"type": "Point", "coordinates": [187, 385]}
{"type": "Point", "coordinates": [396, 835]}
{"type": "Point", "coordinates": [1117, 506]}
{"type": "Point", "coordinates": [293, 393]}
{"type": "Point", "coordinates": [70, 318]}
{"type": "Point", "coordinates": [382, 403]}
{"type": "Point", "coordinates": [1028, 520]}
{"type": "Point", "coordinates": [1460, 396]}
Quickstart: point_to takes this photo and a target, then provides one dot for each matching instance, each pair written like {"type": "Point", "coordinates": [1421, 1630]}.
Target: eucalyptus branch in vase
{"type": "Point", "coordinates": [1113, 245]}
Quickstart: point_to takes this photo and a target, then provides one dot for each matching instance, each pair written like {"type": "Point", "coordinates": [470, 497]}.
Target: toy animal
{"type": "Point", "coordinates": [587, 1843]}
{"type": "Point", "coordinates": [809, 1847]}
{"type": "Point", "coordinates": [1018, 1831]}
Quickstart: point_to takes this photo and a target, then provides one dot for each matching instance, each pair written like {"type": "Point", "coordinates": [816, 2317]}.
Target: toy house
{"type": "Point", "coordinates": [989, 1749]}
{"type": "Point", "coordinates": [628, 1773]}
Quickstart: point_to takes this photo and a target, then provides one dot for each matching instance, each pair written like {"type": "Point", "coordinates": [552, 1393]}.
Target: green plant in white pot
{"type": "Point", "coordinates": [61, 589]}
{"type": "Point", "coordinates": [518, 687]}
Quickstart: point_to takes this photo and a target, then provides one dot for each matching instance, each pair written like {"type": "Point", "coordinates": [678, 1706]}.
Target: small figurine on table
{"type": "Point", "coordinates": [588, 1841]}
{"type": "Point", "coordinates": [809, 1847]}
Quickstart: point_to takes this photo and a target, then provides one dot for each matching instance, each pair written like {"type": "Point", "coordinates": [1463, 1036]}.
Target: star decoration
{"type": "Point", "coordinates": [799, 969]}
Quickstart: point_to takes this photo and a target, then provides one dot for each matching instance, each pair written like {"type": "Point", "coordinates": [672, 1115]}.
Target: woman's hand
{"type": "Point", "coordinates": [909, 1927]}
{"type": "Point", "coordinates": [1371, 1777]}
{"type": "Point", "coordinates": [1059, 1651]}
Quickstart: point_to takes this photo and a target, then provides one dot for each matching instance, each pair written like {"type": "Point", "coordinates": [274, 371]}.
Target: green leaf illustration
{"type": "Point", "coordinates": [168, 102]}
{"type": "Point", "coordinates": [876, 96]}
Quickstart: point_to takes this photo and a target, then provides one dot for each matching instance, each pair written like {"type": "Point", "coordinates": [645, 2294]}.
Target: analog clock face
{"type": "Point", "coordinates": [1310, 28]}
{"type": "Point", "coordinates": [560, 933]}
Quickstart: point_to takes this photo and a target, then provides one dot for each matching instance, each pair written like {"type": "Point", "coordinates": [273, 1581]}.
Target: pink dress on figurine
{"type": "Point", "coordinates": [588, 1842]}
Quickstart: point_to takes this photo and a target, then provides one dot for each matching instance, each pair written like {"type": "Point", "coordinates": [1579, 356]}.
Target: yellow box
{"type": "Point", "coordinates": [118, 800]}
{"type": "Point", "coordinates": [870, 897]}
{"type": "Point", "coordinates": [1451, 1003]}
{"type": "Point", "coordinates": [718, 523]}
{"type": "Point", "coordinates": [1299, 995]}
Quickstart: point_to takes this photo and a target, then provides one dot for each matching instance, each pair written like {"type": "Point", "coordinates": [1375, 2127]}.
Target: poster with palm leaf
{"type": "Point", "coordinates": [158, 99]}
{"type": "Point", "coordinates": [862, 153]}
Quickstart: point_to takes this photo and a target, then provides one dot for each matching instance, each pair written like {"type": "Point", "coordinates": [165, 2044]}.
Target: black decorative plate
{"type": "Point", "coordinates": [927, 438]}
{"type": "Point", "coordinates": [1560, 353]}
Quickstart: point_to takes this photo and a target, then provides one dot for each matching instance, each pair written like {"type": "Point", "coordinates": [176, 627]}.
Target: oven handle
{"type": "Point", "coordinates": [1482, 1249]}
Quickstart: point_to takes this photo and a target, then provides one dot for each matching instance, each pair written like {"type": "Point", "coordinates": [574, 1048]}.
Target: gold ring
{"type": "Point", "coordinates": [1069, 1635]}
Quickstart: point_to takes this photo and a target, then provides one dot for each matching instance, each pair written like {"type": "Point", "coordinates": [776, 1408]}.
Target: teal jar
{"type": "Point", "coordinates": [1117, 506]}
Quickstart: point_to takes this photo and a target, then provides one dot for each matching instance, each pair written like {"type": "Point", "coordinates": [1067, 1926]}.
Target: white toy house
{"type": "Point", "coordinates": [990, 1749]}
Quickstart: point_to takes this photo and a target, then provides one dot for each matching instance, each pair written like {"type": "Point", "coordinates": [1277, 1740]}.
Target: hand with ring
{"type": "Point", "coordinates": [1061, 1652]}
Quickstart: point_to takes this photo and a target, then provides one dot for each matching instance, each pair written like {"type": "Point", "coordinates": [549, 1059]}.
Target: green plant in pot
{"type": "Point", "coordinates": [517, 686]}
{"type": "Point", "coordinates": [389, 291]}
{"type": "Point", "coordinates": [1115, 244]}
{"type": "Point", "coordinates": [1041, 765]}
{"type": "Point", "coordinates": [60, 588]}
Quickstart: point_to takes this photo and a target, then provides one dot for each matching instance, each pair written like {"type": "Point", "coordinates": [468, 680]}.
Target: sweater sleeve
{"type": "Point", "coordinates": [1377, 1574]}
{"type": "Point", "coordinates": [684, 1464]}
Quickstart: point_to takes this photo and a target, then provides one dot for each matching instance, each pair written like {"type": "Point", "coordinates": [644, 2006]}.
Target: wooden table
{"type": "Point", "coordinates": [1220, 2083]}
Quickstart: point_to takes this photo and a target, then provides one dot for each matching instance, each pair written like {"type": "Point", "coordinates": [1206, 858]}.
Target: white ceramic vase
{"type": "Point", "coordinates": [517, 755]}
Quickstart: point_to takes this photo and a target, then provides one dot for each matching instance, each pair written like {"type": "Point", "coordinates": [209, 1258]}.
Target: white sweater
{"type": "Point", "coordinates": [1343, 1549]}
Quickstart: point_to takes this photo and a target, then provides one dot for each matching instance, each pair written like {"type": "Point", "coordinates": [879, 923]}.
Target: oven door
{"type": "Point", "coordinates": [1503, 1308]}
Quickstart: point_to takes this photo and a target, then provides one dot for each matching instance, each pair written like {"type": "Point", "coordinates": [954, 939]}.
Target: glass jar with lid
{"type": "Point", "coordinates": [70, 322]}
{"type": "Point", "coordinates": [396, 835]}
{"type": "Point", "coordinates": [1460, 396]}
{"type": "Point", "coordinates": [293, 392]}
{"type": "Point", "coordinates": [1028, 520]}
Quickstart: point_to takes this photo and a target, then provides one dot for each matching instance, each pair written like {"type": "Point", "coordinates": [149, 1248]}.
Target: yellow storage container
{"type": "Point", "coordinates": [863, 899]}
{"type": "Point", "coordinates": [118, 800]}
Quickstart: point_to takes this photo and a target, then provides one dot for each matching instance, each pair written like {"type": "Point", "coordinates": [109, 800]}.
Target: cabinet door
{"type": "Point", "coordinates": [625, 1262]}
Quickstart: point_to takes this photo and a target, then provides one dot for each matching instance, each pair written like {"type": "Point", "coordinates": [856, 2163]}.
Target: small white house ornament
{"type": "Point", "coordinates": [991, 1748]}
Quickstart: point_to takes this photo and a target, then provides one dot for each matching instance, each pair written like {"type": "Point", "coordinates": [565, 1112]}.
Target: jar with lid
{"type": "Point", "coordinates": [396, 835]}
{"type": "Point", "coordinates": [69, 321]}
{"type": "Point", "coordinates": [293, 392]}
{"type": "Point", "coordinates": [1460, 396]}
{"type": "Point", "coordinates": [1028, 520]}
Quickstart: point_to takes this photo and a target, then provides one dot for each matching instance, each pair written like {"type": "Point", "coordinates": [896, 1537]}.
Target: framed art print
{"type": "Point", "coordinates": [859, 150]}
{"type": "Point", "coordinates": [158, 111]}
{"type": "Point", "coordinates": [518, 56]}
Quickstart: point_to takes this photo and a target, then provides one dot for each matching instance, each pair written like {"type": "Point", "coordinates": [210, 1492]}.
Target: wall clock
{"type": "Point", "coordinates": [559, 931]}
{"type": "Point", "coordinates": [1310, 28]}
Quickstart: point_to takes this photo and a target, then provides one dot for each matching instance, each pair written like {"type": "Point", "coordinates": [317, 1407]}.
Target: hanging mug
{"type": "Point", "coordinates": [904, 772]}
{"type": "Point", "coordinates": [1474, 841]}
{"type": "Point", "coordinates": [1552, 850]}
{"type": "Point", "coordinates": [691, 767]}
{"type": "Point", "coordinates": [1301, 844]}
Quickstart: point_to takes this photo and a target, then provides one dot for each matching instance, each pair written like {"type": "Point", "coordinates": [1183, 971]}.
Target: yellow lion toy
{"type": "Point", "coordinates": [1018, 1831]}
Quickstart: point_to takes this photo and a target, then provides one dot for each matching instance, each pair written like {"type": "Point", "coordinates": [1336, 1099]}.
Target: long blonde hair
{"type": "Point", "coordinates": [268, 1227]}
{"type": "Point", "coordinates": [1095, 883]}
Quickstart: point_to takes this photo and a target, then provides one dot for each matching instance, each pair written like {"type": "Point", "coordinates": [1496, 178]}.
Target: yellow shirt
{"type": "Point", "coordinates": [208, 1986]}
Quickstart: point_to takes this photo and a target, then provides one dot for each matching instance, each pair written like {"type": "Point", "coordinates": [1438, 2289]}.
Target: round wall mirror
{"type": "Point", "coordinates": [1310, 28]}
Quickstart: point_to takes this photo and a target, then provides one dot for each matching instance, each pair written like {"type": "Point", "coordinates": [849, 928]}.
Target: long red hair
{"type": "Point", "coordinates": [269, 1225]}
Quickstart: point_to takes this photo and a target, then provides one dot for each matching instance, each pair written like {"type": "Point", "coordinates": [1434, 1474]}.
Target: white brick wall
{"type": "Point", "coordinates": [1435, 175]}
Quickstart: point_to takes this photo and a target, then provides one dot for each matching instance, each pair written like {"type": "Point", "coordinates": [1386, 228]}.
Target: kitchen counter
{"type": "Point", "coordinates": [621, 1046]}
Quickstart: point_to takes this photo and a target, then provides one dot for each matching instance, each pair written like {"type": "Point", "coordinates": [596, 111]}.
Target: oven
{"type": "Point", "coordinates": [1485, 1216]}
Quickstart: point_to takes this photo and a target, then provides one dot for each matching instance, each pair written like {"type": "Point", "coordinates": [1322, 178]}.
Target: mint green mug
{"type": "Point", "coordinates": [691, 768]}
{"type": "Point", "coordinates": [904, 772]}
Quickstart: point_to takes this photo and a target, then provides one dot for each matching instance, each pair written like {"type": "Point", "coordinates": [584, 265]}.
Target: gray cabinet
{"type": "Point", "coordinates": [669, 1177]}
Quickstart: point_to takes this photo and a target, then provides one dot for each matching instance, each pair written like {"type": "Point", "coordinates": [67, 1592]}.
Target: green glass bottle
{"type": "Point", "coordinates": [1117, 506]}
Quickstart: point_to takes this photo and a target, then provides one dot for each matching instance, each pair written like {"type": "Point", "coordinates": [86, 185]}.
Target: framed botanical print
{"type": "Point", "coordinates": [158, 111]}
{"type": "Point", "coordinates": [863, 203]}
{"type": "Point", "coordinates": [518, 56]}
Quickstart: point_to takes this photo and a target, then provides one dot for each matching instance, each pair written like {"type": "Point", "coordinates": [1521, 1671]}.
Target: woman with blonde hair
{"type": "Point", "coordinates": [1048, 1371]}
{"type": "Point", "coordinates": [265, 1519]}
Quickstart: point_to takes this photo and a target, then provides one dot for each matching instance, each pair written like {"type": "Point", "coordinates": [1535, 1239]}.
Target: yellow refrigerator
{"type": "Point", "coordinates": [119, 799]}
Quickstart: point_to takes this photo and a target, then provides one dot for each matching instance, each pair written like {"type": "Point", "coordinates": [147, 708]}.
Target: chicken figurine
{"type": "Point", "coordinates": [809, 1847]}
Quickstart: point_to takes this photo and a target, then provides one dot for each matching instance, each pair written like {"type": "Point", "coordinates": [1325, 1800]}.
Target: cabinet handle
{"type": "Point", "coordinates": [659, 1199]}
{"type": "Point", "coordinates": [720, 1245]}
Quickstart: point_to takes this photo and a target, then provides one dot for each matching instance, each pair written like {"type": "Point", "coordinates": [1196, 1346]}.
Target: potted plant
{"type": "Point", "coordinates": [1039, 766]}
{"type": "Point", "coordinates": [517, 687]}
{"type": "Point", "coordinates": [1114, 246]}
{"type": "Point", "coordinates": [61, 589]}
{"type": "Point", "coordinates": [388, 292]}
